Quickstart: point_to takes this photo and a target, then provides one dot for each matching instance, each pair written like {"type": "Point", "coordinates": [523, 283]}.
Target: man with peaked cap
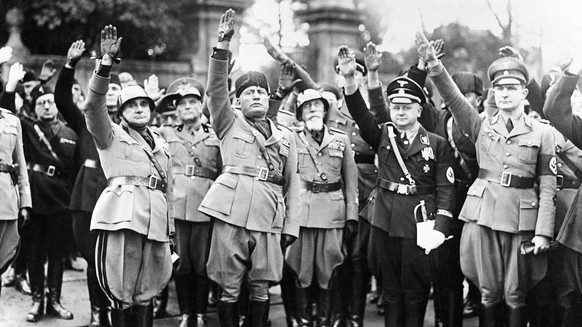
{"type": "Point", "coordinates": [560, 109]}
{"type": "Point", "coordinates": [49, 149]}
{"type": "Point", "coordinates": [14, 188]}
{"type": "Point", "coordinates": [196, 163]}
{"type": "Point", "coordinates": [90, 181]}
{"type": "Point", "coordinates": [512, 199]}
{"type": "Point", "coordinates": [254, 201]}
{"type": "Point", "coordinates": [328, 205]}
{"type": "Point", "coordinates": [415, 182]}
{"type": "Point", "coordinates": [133, 214]}
{"type": "Point", "coordinates": [447, 274]}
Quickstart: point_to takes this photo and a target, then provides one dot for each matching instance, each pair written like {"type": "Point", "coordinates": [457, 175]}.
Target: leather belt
{"type": "Point", "coordinates": [564, 182]}
{"type": "Point", "coordinates": [364, 158]}
{"type": "Point", "coordinates": [261, 174]}
{"type": "Point", "coordinates": [192, 170]}
{"type": "Point", "coordinates": [404, 189]}
{"type": "Point", "coordinates": [6, 168]}
{"type": "Point", "coordinates": [318, 187]}
{"type": "Point", "coordinates": [50, 171]}
{"type": "Point", "coordinates": [507, 179]}
{"type": "Point", "coordinates": [90, 163]}
{"type": "Point", "coordinates": [151, 182]}
{"type": "Point", "coordinates": [461, 184]}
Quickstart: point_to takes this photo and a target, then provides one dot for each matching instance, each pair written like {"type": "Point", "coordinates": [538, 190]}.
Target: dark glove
{"type": "Point", "coordinates": [23, 217]}
{"type": "Point", "coordinates": [350, 230]}
{"type": "Point", "coordinates": [287, 240]}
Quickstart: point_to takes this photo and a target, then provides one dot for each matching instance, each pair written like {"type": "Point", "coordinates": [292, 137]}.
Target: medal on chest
{"type": "Point", "coordinates": [426, 168]}
{"type": "Point", "coordinates": [427, 153]}
{"type": "Point", "coordinates": [337, 145]}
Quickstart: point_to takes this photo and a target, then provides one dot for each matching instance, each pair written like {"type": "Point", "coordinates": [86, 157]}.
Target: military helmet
{"type": "Point", "coordinates": [133, 92]}
{"type": "Point", "coordinates": [306, 96]}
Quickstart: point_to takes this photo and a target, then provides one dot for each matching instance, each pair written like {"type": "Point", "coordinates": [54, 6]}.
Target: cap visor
{"type": "Point", "coordinates": [508, 80]}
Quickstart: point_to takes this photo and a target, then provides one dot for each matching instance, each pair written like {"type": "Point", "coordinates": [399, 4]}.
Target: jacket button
{"type": "Point", "coordinates": [319, 154]}
{"type": "Point", "coordinates": [508, 142]}
{"type": "Point", "coordinates": [560, 164]}
{"type": "Point", "coordinates": [259, 156]}
{"type": "Point", "coordinates": [353, 145]}
{"type": "Point", "coordinates": [505, 166]}
{"type": "Point", "coordinates": [533, 204]}
{"type": "Point", "coordinates": [507, 154]}
{"type": "Point", "coordinates": [488, 134]}
{"type": "Point", "coordinates": [354, 133]}
{"type": "Point", "coordinates": [401, 178]}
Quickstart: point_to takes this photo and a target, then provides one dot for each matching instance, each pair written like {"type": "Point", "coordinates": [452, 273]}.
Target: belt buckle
{"type": "Point", "coordinates": [402, 189]}
{"type": "Point", "coordinates": [559, 180]}
{"type": "Point", "coordinates": [263, 174]}
{"type": "Point", "coordinates": [190, 170]}
{"type": "Point", "coordinates": [505, 179]}
{"type": "Point", "coordinates": [316, 187]}
{"type": "Point", "coordinates": [51, 170]}
{"type": "Point", "coordinates": [153, 182]}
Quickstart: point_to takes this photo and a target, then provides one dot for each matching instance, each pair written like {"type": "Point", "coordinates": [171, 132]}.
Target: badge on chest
{"type": "Point", "coordinates": [337, 145]}
{"type": "Point", "coordinates": [427, 153]}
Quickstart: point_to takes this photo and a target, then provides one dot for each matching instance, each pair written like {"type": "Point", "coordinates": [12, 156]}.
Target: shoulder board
{"type": "Point", "coordinates": [286, 112]}
{"type": "Point", "coordinates": [284, 127]}
{"type": "Point", "coordinates": [296, 129]}
{"type": "Point", "coordinates": [339, 131]}
{"type": "Point", "coordinates": [155, 132]}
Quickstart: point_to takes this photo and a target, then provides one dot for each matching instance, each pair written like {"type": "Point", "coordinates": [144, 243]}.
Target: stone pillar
{"type": "Point", "coordinates": [14, 20]}
{"type": "Point", "coordinates": [203, 32]}
{"type": "Point", "coordinates": [331, 24]}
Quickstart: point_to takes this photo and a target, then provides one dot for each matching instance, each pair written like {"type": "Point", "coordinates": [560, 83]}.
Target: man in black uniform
{"type": "Point", "coordinates": [90, 181]}
{"type": "Point", "coordinates": [414, 173]}
{"type": "Point", "coordinates": [49, 146]}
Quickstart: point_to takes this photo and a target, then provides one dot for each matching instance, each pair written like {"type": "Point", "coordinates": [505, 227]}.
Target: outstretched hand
{"type": "Point", "coordinates": [47, 71]}
{"type": "Point", "coordinates": [426, 50]}
{"type": "Point", "coordinates": [152, 87]}
{"type": "Point", "coordinates": [15, 75]}
{"type": "Point", "coordinates": [508, 51]}
{"type": "Point", "coordinates": [346, 60]}
{"type": "Point", "coordinates": [226, 26]}
{"type": "Point", "coordinates": [286, 79]}
{"type": "Point", "coordinates": [110, 43]}
{"type": "Point", "coordinates": [276, 53]}
{"type": "Point", "coordinates": [373, 57]}
{"type": "Point", "coordinates": [76, 51]}
{"type": "Point", "coordinates": [5, 54]}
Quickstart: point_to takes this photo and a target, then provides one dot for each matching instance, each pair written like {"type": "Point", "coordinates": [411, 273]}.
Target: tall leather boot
{"type": "Point", "coordinates": [55, 283]}
{"type": "Point", "coordinates": [200, 300]}
{"type": "Point", "coordinates": [393, 313]}
{"type": "Point", "coordinates": [516, 317]}
{"type": "Point", "coordinates": [37, 307]}
{"type": "Point", "coordinates": [490, 315]}
{"type": "Point", "coordinates": [360, 278]}
{"type": "Point", "coordinates": [258, 313]}
{"type": "Point", "coordinates": [143, 315]}
{"type": "Point", "coordinates": [100, 310]}
{"type": "Point", "coordinates": [185, 292]}
{"type": "Point", "coordinates": [324, 308]}
{"type": "Point", "coordinates": [161, 303]}
{"type": "Point", "coordinates": [288, 295]}
{"type": "Point", "coordinates": [303, 307]}
{"type": "Point", "coordinates": [227, 314]}
{"type": "Point", "coordinates": [122, 318]}
{"type": "Point", "coordinates": [414, 313]}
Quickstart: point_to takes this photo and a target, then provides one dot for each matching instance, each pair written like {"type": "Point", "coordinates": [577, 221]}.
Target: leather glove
{"type": "Point", "coordinates": [23, 217]}
{"type": "Point", "coordinates": [287, 240]}
{"type": "Point", "coordinates": [350, 230]}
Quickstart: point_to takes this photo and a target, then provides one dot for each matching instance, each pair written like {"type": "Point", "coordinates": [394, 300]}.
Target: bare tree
{"type": "Point", "coordinates": [506, 28]}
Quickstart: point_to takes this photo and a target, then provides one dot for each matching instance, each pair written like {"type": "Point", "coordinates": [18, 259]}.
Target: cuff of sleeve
{"type": "Point", "coordinates": [436, 69]}
{"type": "Point", "coordinates": [99, 84]}
{"type": "Point", "coordinates": [291, 229]}
{"type": "Point", "coordinates": [442, 224]}
{"type": "Point", "coordinates": [220, 54]}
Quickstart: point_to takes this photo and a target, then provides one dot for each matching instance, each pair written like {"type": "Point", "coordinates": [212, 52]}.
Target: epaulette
{"type": "Point", "coordinates": [335, 130]}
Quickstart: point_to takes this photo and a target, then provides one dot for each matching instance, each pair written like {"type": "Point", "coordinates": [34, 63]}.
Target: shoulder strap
{"type": "Point", "coordinates": [46, 142]}
{"type": "Point", "coordinates": [261, 141]}
{"type": "Point", "coordinates": [312, 156]}
{"type": "Point", "coordinates": [392, 137]}
{"type": "Point", "coordinates": [458, 154]}
{"type": "Point", "coordinates": [570, 164]}
{"type": "Point", "coordinates": [151, 156]}
{"type": "Point", "coordinates": [189, 146]}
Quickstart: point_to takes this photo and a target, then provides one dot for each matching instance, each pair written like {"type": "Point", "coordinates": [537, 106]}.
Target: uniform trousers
{"type": "Point", "coordinates": [403, 265]}
{"type": "Point", "coordinates": [86, 241]}
{"type": "Point", "coordinates": [492, 260]}
{"type": "Point", "coordinates": [238, 254]}
{"type": "Point", "coordinates": [9, 242]}
{"type": "Point", "coordinates": [315, 254]}
{"type": "Point", "coordinates": [131, 269]}
{"type": "Point", "coordinates": [48, 238]}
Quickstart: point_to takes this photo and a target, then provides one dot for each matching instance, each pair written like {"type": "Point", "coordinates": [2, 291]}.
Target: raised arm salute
{"type": "Point", "coordinates": [512, 199]}
{"type": "Point", "coordinates": [254, 202]}
{"type": "Point", "coordinates": [132, 215]}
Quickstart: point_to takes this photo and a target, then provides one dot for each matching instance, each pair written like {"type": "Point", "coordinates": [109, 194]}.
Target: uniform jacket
{"type": "Point", "coordinates": [565, 196]}
{"type": "Point", "coordinates": [559, 111]}
{"type": "Point", "coordinates": [333, 158]}
{"type": "Point", "coordinates": [428, 159]}
{"type": "Point", "coordinates": [49, 194]}
{"type": "Point", "coordinates": [242, 200]}
{"type": "Point", "coordinates": [11, 152]}
{"type": "Point", "coordinates": [90, 181]}
{"type": "Point", "coordinates": [528, 150]}
{"type": "Point", "coordinates": [189, 191]}
{"type": "Point", "coordinates": [138, 208]}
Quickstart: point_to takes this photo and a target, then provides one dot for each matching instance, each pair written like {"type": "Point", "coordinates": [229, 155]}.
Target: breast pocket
{"type": "Point", "coordinates": [303, 158]}
{"type": "Point", "coordinates": [243, 144]}
{"type": "Point", "coordinates": [127, 149]}
{"type": "Point", "coordinates": [489, 142]}
{"type": "Point", "coordinates": [9, 135]}
{"type": "Point", "coordinates": [335, 157]}
{"type": "Point", "coordinates": [528, 150]}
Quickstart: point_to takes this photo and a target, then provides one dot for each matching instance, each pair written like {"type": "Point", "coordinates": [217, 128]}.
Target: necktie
{"type": "Point", "coordinates": [509, 125]}
{"type": "Point", "coordinates": [405, 141]}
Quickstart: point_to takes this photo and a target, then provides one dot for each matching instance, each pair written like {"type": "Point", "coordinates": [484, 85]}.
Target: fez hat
{"type": "Point", "coordinates": [405, 90]}
{"type": "Point", "coordinates": [508, 70]}
{"type": "Point", "coordinates": [37, 92]}
{"type": "Point", "coordinates": [252, 78]}
{"type": "Point", "coordinates": [468, 82]}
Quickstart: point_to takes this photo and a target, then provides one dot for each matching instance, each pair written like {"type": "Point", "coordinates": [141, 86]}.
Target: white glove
{"type": "Point", "coordinates": [436, 239]}
{"type": "Point", "coordinates": [427, 237]}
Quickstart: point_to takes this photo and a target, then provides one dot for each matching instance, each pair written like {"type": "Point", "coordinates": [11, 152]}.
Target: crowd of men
{"type": "Point", "coordinates": [430, 182]}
